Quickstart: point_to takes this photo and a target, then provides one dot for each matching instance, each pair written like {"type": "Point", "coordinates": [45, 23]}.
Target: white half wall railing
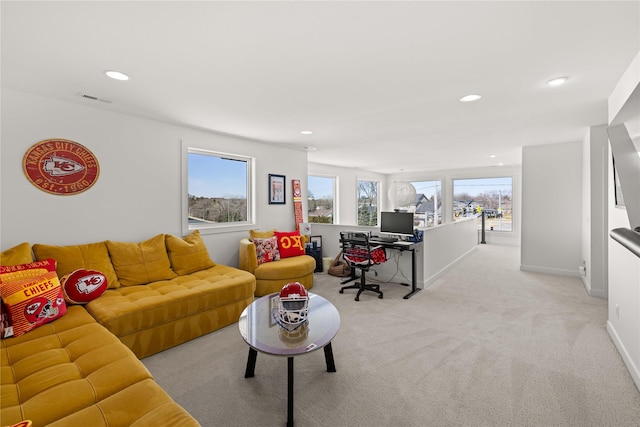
{"type": "Point", "coordinates": [443, 246]}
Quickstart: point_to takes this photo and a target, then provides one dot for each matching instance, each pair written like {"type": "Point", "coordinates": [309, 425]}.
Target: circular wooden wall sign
{"type": "Point", "coordinates": [60, 166]}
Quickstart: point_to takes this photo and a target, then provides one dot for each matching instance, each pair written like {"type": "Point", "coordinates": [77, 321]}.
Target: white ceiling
{"type": "Point", "coordinates": [377, 82]}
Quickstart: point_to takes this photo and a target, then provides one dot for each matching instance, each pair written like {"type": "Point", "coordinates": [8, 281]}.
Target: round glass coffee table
{"type": "Point", "coordinates": [260, 330]}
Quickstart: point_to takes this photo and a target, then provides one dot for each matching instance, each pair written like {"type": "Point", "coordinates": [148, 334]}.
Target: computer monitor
{"type": "Point", "coordinates": [397, 223]}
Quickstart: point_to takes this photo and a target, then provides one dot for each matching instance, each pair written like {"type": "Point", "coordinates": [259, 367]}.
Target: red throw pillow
{"type": "Point", "coordinates": [82, 286]}
{"type": "Point", "coordinates": [290, 243]}
{"type": "Point", "coordinates": [32, 294]}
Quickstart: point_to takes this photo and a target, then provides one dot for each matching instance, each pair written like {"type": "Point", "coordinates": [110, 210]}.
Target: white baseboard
{"type": "Point", "coordinates": [547, 270]}
{"type": "Point", "coordinates": [626, 358]}
{"type": "Point", "coordinates": [592, 292]}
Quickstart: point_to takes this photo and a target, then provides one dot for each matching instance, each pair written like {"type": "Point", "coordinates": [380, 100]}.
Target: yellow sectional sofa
{"type": "Point", "coordinates": [153, 317]}
{"type": "Point", "coordinates": [74, 372]}
{"type": "Point", "coordinates": [162, 292]}
{"type": "Point", "coordinates": [83, 368]}
{"type": "Point", "coordinates": [272, 276]}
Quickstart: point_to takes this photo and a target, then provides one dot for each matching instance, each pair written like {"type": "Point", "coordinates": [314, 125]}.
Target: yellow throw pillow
{"type": "Point", "coordinates": [258, 234]}
{"type": "Point", "coordinates": [92, 256]}
{"type": "Point", "coordinates": [141, 263]}
{"type": "Point", "coordinates": [20, 254]}
{"type": "Point", "coordinates": [188, 255]}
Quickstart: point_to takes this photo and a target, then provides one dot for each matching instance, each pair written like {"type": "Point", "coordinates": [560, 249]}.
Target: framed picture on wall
{"type": "Point", "coordinates": [277, 194]}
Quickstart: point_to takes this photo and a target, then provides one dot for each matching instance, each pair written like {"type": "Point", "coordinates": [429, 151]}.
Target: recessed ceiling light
{"type": "Point", "coordinates": [306, 132]}
{"type": "Point", "coordinates": [117, 75]}
{"type": "Point", "coordinates": [493, 156]}
{"type": "Point", "coordinates": [557, 81]}
{"type": "Point", "coordinates": [307, 148]}
{"type": "Point", "coordinates": [470, 98]}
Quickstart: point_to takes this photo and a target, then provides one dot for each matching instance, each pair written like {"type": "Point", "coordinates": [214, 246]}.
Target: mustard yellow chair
{"type": "Point", "coordinates": [272, 276]}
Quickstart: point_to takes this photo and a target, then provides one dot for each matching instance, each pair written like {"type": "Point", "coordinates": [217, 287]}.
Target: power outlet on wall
{"type": "Point", "coordinates": [583, 268]}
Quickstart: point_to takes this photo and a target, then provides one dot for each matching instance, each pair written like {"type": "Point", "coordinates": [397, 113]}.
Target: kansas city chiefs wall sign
{"type": "Point", "coordinates": [61, 166]}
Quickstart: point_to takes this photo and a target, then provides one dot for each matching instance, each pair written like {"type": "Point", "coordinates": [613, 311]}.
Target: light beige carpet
{"type": "Point", "coordinates": [486, 345]}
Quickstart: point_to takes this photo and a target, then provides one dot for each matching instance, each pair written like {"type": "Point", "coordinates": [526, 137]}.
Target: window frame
{"type": "Point", "coordinates": [250, 190]}
{"type": "Point", "coordinates": [335, 196]}
{"type": "Point", "coordinates": [439, 187]}
{"type": "Point", "coordinates": [487, 177]}
{"type": "Point", "coordinates": [377, 201]}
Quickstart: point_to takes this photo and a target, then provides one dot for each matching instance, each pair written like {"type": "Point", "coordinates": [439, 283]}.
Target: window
{"type": "Point", "coordinates": [367, 202]}
{"type": "Point", "coordinates": [218, 186]}
{"type": "Point", "coordinates": [428, 205]}
{"type": "Point", "coordinates": [321, 194]}
{"type": "Point", "coordinates": [491, 195]}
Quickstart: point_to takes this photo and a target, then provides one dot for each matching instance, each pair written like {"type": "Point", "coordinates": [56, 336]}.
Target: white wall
{"type": "Point", "coordinates": [594, 210]}
{"type": "Point", "coordinates": [621, 104]}
{"type": "Point", "coordinates": [446, 245]}
{"type": "Point", "coordinates": [624, 294]}
{"type": "Point", "coordinates": [623, 266]}
{"type": "Point", "coordinates": [347, 189]}
{"type": "Point", "coordinates": [551, 208]}
{"type": "Point", "coordinates": [138, 192]}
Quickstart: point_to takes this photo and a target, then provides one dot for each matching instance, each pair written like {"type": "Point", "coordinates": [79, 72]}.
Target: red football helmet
{"type": "Point", "coordinates": [41, 308]}
{"type": "Point", "coordinates": [294, 304]}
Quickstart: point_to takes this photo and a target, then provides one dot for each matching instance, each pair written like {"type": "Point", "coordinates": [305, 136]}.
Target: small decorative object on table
{"type": "Point", "coordinates": [293, 306]}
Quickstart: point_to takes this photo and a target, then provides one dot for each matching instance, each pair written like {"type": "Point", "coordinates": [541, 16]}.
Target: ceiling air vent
{"type": "Point", "coordinates": [95, 98]}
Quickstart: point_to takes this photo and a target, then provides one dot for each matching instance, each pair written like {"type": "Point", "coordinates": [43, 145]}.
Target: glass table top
{"type": "Point", "coordinates": [260, 330]}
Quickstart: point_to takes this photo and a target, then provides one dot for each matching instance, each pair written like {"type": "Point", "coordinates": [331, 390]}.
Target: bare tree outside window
{"type": "Point", "coordinates": [368, 202]}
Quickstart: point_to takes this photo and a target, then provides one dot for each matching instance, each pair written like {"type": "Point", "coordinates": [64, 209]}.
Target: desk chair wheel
{"type": "Point", "coordinates": [357, 298]}
{"type": "Point", "coordinates": [342, 291]}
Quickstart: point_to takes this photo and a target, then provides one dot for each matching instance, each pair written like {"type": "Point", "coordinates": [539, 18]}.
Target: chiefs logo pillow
{"type": "Point", "coordinates": [82, 286]}
{"type": "Point", "coordinates": [32, 294]}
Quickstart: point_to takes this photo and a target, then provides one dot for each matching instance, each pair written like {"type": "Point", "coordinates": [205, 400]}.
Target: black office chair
{"type": "Point", "coordinates": [360, 254]}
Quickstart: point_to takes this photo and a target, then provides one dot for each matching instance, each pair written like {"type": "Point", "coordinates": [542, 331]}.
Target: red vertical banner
{"type": "Point", "coordinates": [297, 202]}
